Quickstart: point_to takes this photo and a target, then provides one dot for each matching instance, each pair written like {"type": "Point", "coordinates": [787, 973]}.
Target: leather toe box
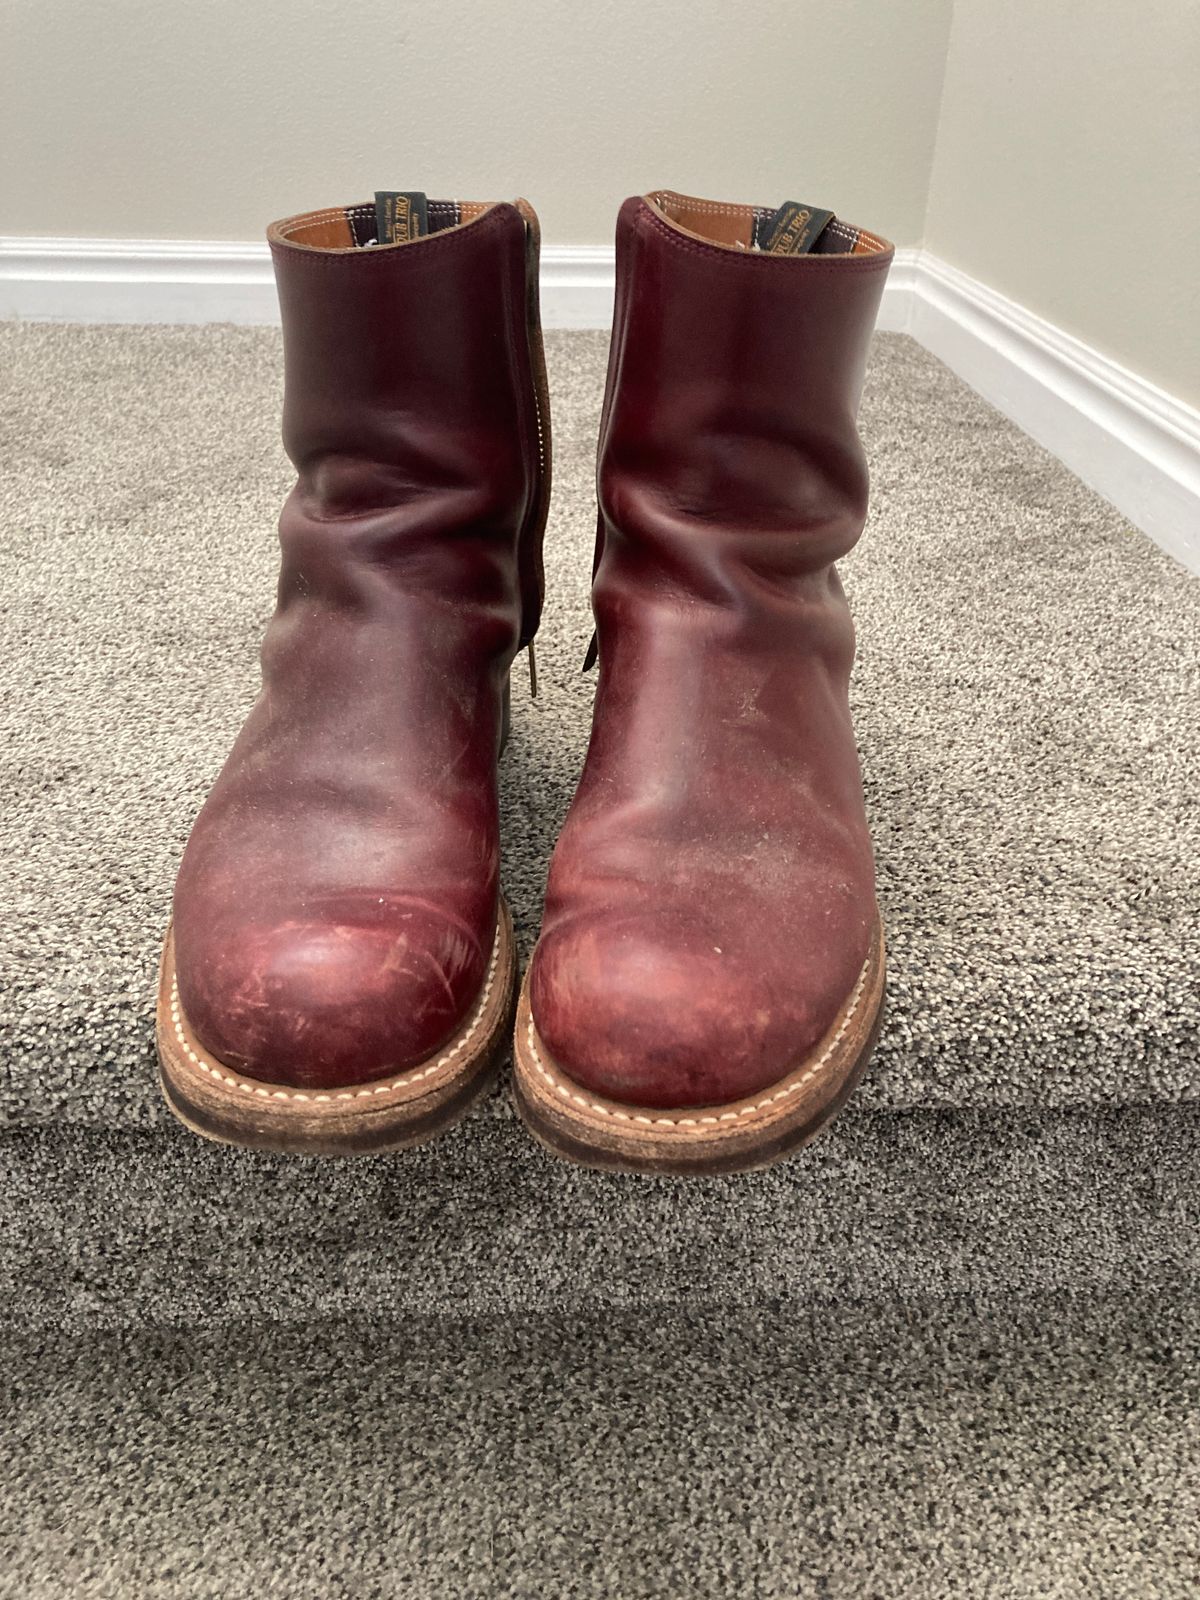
{"type": "Point", "coordinates": [660, 1012]}
{"type": "Point", "coordinates": [334, 995]}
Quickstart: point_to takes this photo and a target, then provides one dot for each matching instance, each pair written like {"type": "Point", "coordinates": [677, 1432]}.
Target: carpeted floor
{"type": "Point", "coordinates": [116, 1230]}
{"type": "Point", "coordinates": [951, 1351]}
{"type": "Point", "coordinates": [838, 1453]}
{"type": "Point", "coordinates": [1025, 697]}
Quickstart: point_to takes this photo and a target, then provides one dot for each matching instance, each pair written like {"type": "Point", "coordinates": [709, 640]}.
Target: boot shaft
{"type": "Point", "coordinates": [734, 380]}
{"type": "Point", "coordinates": [414, 391]}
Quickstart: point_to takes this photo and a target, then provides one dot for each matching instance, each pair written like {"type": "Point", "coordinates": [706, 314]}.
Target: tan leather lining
{"type": "Point", "coordinates": [331, 229]}
{"type": "Point", "coordinates": [732, 226]}
{"type": "Point", "coordinates": [332, 233]}
{"type": "Point", "coordinates": [713, 221]}
{"type": "Point", "coordinates": [707, 219]}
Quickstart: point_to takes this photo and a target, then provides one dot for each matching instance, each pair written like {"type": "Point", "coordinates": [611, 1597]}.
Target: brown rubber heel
{"type": "Point", "coordinates": [584, 1127]}
{"type": "Point", "coordinates": [218, 1102]}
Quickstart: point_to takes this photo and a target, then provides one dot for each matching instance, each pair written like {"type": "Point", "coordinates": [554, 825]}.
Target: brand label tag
{"type": "Point", "coordinates": [793, 230]}
{"type": "Point", "coordinates": [400, 215]}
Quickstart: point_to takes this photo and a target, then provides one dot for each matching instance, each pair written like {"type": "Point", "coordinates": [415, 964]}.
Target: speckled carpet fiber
{"type": "Point", "coordinates": [115, 1230]}
{"type": "Point", "coordinates": [851, 1453]}
{"type": "Point", "coordinates": [1025, 698]}
{"type": "Point", "coordinates": [951, 1351]}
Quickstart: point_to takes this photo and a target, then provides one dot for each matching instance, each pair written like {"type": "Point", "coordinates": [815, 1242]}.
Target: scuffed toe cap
{"type": "Point", "coordinates": [321, 1003]}
{"type": "Point", "coordinates": [661, 1014]}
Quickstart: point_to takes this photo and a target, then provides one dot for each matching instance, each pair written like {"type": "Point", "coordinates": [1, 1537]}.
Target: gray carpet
{"type": "Point", "coordinates": [116, 1230]}
{"type": "Point", "coordinates": [849, 1453]}
{"type": "Point", "coordinates": [952, 1351]}
{"type": "Point", "coordinates": [1025, 698]}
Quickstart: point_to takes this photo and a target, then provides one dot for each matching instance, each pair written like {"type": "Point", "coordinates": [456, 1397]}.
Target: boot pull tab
{"type": "Point", "coordinates": [400, 215]}
{"type": "Point", "coordinates": [532, 654]}
{"type": "Point", "coordinates": [793, 230]}
{"type": "Point", "coordinates": [593, 652]}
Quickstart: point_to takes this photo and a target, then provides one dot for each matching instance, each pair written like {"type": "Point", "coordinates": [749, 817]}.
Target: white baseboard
{"type": "Point", "coordinates": [146, 280]}
{"type": "Point", "coordinates": [119, 280]}
{"type": "Point", "coordinates": [894, 310]}
{"type": "Point", "coordinates": [1135, 445]}
{"type": "Point", "coordinates": [136, 280]}
{"type": "Point", "coordinates": [577, 286]}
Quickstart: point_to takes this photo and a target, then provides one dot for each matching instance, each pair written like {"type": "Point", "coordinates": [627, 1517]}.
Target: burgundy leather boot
{"type": "Point", "coordinates": [710, 974]}
{"type": "Point", "coordinates": [339, 975]}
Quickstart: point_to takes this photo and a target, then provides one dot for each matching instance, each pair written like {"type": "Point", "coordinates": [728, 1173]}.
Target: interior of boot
{"type": "Point", "coordinates": [394, 217]}
{"type": "Point", "coordinates": [789, 229]}
{"type": "Point", "coordinates": [399, 216]}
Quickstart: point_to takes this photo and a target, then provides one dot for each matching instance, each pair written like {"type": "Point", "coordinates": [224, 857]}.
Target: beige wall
{"type": "Point", "coordinates": [1067, 171]}
{"type": "Point", "coordinates": [155, 118]}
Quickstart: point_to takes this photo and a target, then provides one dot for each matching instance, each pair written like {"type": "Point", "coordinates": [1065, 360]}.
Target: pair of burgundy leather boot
{"type": "Point", "coordinates": [340, 972]}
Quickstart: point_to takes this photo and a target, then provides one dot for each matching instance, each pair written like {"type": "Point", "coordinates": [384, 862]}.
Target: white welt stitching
{"type": "Point", "coordinates": [681, 202]}
{"type": "Point", "coordinates": [713, 1118]}
{"type": "Point", "coordinates": [249, 1086]}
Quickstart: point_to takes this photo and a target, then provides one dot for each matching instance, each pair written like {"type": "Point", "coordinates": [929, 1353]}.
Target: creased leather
{"type": "Point", "coordinates": [711, 897]}
{"type": "Point", "coordinates": [336, 906]}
